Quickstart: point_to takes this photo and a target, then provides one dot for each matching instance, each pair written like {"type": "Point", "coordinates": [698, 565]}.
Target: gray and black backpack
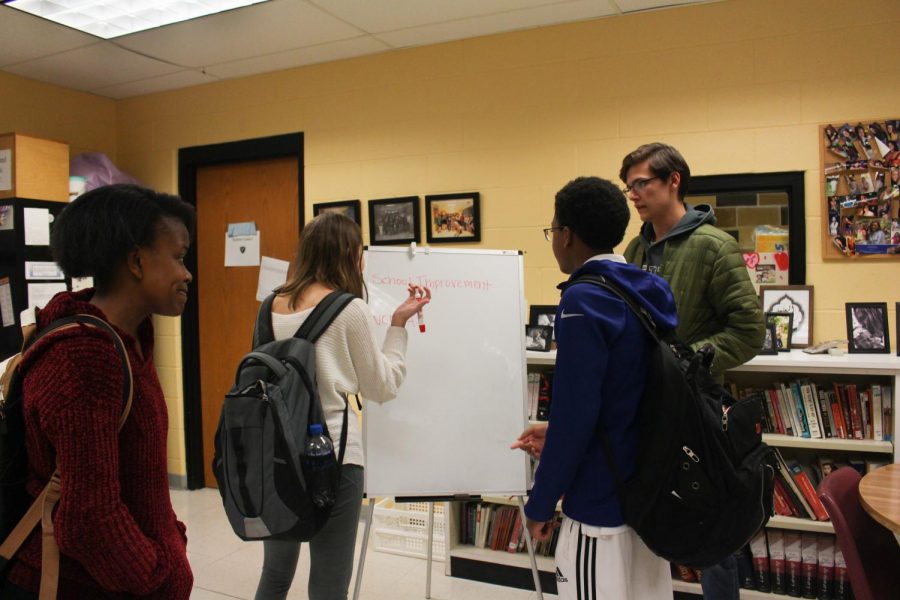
{"type": "Point", "coordinates": [263, 429]}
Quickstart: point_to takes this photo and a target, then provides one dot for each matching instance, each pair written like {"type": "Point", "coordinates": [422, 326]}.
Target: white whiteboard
{"type": "Point", "coordinates": [463, 401]}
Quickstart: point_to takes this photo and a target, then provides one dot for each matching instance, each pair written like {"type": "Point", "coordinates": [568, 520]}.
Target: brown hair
{"type": "Point", "coordinates": [328, 253]}
{"type": "Point", "coordinates": [664, 160]}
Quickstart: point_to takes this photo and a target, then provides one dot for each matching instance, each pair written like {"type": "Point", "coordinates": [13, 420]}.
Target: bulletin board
{"type": "Point", "coordinates": [860, 170]}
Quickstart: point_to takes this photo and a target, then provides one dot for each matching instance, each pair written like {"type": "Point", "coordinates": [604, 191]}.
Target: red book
{"type": "Point", "coordinates": [782, 505]}
{"type": "Point", "coordinates": [840, 394]}
{"type": "Point", "coordinates": [513, 545]}
{"type": "Point", "coordinates": [686, 573]}
{"type": "Point", "coordinates": [793, 563]}
{"type": "Point", "coordinates": [776, 559]}
{"type": "Point", "coordinates": [825, 571]}
{"type": "Point", "coordinates": [773, 402]}
{"type": "Point", "coordinates": [807, 489]}
{"type": "Point", "coordinates": [838, 415]}
{"type": "Point", "coordinates": [810, 560]}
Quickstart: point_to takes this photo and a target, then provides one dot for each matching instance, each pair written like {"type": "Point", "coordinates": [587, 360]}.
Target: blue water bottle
{"type": "Point", "coordinates": [318, 467]}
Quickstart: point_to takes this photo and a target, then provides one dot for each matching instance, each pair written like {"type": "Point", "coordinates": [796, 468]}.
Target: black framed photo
{"type": "Point", "coordinates": [797, 300]}
{"type": "Point", "coordinates": [768, 346]}
{"type": "Point", "coordinates": [453, 218]}
{"type": "Point", "coordinates": [394, 221]}
{"type": "Point", "coordinates": [348, 208]}
{"type": "Point", "coordinates": [543, 314]}
{"type": "Point", "coordinates": [867, 328]}
{"type": "Point", "coordinates": [783, 325]}
{"type": "Point", "coordinates": [537, 337]}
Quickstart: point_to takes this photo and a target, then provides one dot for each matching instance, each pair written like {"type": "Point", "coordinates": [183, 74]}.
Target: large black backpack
{"type": "Point", "coordinates": [263, 428]}
{"type": "Point", "coordinates": [703, 480]}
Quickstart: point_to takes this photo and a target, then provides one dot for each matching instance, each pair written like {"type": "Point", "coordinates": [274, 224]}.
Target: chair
{"type": "Point", "coordinates": [871, 552]}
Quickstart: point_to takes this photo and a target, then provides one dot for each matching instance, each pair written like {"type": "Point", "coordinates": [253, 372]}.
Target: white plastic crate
{"type": "Point", "coordinates": [402, 528]}
{"type": "Point", "coordinates": [406, 543]}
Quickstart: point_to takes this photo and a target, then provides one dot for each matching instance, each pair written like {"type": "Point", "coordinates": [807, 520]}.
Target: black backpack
{"type": "Point", "coordinates": [19, 514]}
{"type": "Point", "coordinates": [703, 481]}
{"type": "Point", "coordinates": [263, 428]}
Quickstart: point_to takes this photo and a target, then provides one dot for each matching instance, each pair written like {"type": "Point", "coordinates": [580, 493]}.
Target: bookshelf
{"type": "Point", "coordinates": [505, 568]}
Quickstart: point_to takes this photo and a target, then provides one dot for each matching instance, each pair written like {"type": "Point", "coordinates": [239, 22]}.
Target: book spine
{"type": "Point", "coordinates": [802, 419]}
{"type": "Point", "coordinates": [759, 549]}
{"type": "Point", "coordinates": [855, 410]}
{"type": "Point", "coordinates": [793, 563]}
{"type": "Point", "coordinates": [809, 408]}
{"type": "Point", "coordinates": [809, 492]}
{"type": "Point", "coordinates": [809, 561]}
{"type": "Point", "coordinates": [887, 394]}
{"type": "Point", "coordinates": [877, 413]}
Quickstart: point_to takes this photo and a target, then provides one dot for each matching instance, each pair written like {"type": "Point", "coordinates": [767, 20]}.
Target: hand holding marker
{"type": "Point", "coordinates": [420, 317]}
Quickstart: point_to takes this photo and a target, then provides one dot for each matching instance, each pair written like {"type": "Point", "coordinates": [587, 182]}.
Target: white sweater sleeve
{"type": "Point", "coordinates": [380, 371]}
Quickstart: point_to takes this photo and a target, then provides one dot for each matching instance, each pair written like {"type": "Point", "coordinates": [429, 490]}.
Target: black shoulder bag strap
{"type": "Point", "coordinates": [650, 325]}
{"type": "Point", "coordinates": [263, 331]}
{"type": "Point", "coordinates": [325, 312]}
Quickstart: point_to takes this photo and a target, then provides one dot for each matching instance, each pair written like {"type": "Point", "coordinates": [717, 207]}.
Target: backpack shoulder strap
{"type": "Point", "coordinates": [41, 509]}
{"type": "Point", "coordinates": [642, 313]}
{"type": "Point", "coordinates": [322, 315]}
{"type": "Point", "coordinates": [263, 332]}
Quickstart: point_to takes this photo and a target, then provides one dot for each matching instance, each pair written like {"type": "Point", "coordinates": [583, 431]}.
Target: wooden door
{"type": "Point", "coordinates": [264, 191]}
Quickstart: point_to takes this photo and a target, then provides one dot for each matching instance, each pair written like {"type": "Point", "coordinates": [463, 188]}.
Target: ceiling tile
{"type": "Point", "coordinates": [242, 33]}
{"type": "Point", "coordinates": [359, 46]}
{"type": "Point", "coordinates": [100, 65]}
{"type": "Point", "coordinates": [171, 81]}
{"type": "Point", "coordinates": [376, 17]}
{"type": "Point", "coordinates": [26, 37]}
{"type": "Point", "coordinates": [521, 19]}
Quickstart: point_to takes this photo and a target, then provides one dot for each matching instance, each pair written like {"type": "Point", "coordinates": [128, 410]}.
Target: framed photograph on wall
{"type": "Point", "coordinates": [348, 208]}
{"type": "Point", "coordinates": [394, 221]}
{"type": "Point", "coordinates": [794, 299]}
{"type": "Point", "coordinates": [537, 337]}
{"type": "Point", "coordinates": [768, 346]}
{"type": "Point", "coordinates": [453, 218]}
{"type": "Point", "coordinates": [867, 328]}
{"type": "Point", "coordinates": [781, 322]}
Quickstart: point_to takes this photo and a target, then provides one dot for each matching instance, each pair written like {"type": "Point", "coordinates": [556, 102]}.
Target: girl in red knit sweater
{"type": "Point", "coordinates": [117, 533]}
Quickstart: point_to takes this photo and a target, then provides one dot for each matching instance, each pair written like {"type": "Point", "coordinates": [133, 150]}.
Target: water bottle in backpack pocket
{"type": "Point", "coordinates": [320, 468]}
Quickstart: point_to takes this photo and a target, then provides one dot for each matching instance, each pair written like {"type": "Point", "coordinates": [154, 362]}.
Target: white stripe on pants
{"type": "Point", "coordinates": [608, 563]}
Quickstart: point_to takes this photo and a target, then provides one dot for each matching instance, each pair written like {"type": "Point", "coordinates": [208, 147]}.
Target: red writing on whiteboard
{"type": "Point", "coordinates": [435, 284]}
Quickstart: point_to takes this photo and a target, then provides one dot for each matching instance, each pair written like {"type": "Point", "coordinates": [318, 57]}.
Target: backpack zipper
{"type": "Point", "coordinates": [691, 454]}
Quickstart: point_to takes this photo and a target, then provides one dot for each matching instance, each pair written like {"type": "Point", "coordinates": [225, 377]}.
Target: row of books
{"type": "Point", "coordinates": [802, 565]}
{"type": "Point", "coordinates": [842, 410]}
{"type": "Point", "coordinates": [540, 387]}
{"type": "Point", "coordinates": [796, 483]}
{"type": "Point", "coordinates": [499, 527]}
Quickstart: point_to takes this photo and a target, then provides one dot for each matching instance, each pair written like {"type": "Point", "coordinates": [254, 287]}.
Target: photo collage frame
{"type": "Point", "coordinates": [861, 188]}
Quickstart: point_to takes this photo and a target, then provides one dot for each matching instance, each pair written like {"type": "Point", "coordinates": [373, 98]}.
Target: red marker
{"type": "Point", "coordinates": [420, 318]}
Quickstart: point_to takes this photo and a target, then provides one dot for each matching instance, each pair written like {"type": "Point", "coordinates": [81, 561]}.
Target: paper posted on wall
{"type": "Point", "coordinates": [272, 274]}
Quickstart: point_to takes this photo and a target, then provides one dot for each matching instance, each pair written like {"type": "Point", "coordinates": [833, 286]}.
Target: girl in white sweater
{"type": "Point", "coordinates": [348, 361]}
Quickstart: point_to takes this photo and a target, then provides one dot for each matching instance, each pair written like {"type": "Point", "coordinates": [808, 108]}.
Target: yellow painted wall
{"type": "Point", "coordinates": [84, 121]}
{"type": "Point", "coordinates": [738, 86]}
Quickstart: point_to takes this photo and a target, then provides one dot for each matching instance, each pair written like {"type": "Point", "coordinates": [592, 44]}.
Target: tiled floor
{"type": "Point", "coordinates": [226, 567]}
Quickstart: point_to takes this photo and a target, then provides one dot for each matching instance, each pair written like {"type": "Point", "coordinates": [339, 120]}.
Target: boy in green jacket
{"type": "Point", "coordinates": [715, 299]}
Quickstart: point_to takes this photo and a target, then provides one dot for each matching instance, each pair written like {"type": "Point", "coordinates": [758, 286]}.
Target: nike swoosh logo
{"type": "Point", "coordinates": [566, 315]}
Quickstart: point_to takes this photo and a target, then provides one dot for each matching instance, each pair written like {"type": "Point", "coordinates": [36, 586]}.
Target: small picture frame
{"type": "Point", "coordinates": [783, 328]}
{"type": "Point", "coordinates": [453, 218]}
{"type": "Point", "coordinates": [348, 208]}
{"type": "Point", "coordinates": [794, 299]}
{"type": "Point", "coordinates": [538, 337]}
{"type": "Point", "coordinates": [768, 346]}
{"type": "Point", "coordinates": [543, 314]}
{"type": "Point", "coordinates": [867, 328]}
{"type": "Point", "coordinates": [394, 221]}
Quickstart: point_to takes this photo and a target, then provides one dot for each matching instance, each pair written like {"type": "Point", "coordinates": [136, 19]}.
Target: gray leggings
{"type": "Point", "coordinates": [331, 550]}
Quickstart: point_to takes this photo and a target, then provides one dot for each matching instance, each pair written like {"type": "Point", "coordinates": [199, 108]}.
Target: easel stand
{"type": "Point", "coordinates": [370, 516]}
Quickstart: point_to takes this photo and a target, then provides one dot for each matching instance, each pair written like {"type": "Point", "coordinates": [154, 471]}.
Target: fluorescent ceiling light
{"type": "Point", "coordinates": [113, 18]}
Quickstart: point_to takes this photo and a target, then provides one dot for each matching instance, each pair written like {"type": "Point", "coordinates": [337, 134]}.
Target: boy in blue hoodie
{"type": "Point", "coordinates": [601, 365]}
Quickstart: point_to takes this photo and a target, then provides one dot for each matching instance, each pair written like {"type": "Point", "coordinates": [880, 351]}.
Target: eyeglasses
{"type": "Point", "coordinates": [549, 229]}
{"type": "Point", "coordinates": [638, 185]}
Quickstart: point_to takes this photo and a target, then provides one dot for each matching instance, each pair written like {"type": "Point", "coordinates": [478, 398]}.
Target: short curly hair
{"type": "Point", "coordinates": [595, 209]}
{"type": "Point", "coordinates": [92, 235]}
